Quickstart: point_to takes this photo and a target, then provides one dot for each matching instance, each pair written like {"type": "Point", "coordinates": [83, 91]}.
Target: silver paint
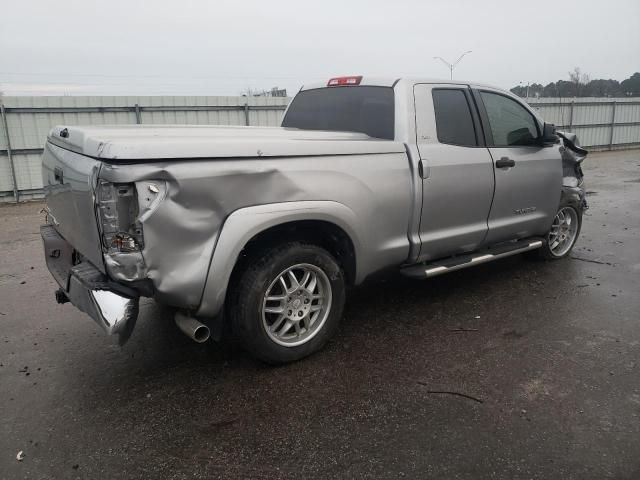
{"type": "Point", "coordinates": [192, 328]}
{"type": "Point", "coordinates": [458, 191]}
{"type": "Point", "coordinates": [201, 194]}
{"type": "Point", "coordinates": [71, 203]}
{"type": "Point", "coordinates": [204, 192]}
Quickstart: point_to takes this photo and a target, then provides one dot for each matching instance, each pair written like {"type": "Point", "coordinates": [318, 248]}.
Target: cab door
{"type": "Point", "coordinates": [456, 171]}
{"type": "Point", "coordinates": [528, 176]}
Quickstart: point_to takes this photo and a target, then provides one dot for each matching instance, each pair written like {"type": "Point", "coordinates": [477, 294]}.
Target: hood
{"type": "Point", "coordinates": [133, 143]}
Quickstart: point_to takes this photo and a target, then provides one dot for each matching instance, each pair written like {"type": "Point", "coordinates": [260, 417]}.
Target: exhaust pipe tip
{"type": "Point", "coordinates": [201, 334]}
{"type": "Point", "coordinates": [192, 328]}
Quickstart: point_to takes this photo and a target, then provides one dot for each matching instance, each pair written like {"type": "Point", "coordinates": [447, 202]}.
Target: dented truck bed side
{"type": "Point", "coordinates": [371, 199]}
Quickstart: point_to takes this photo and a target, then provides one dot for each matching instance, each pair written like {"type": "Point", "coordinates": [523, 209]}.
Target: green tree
{"type": "Point", "coordinates": [579, 85]}
{"type": "Point", "coordinates": [603, 88]}
{"type": "Point", "coordinates": [579, 81]}
{"type": "Point", "coordinates": [631, 86]}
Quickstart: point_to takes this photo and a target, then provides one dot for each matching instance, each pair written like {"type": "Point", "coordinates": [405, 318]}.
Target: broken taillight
{"type": "Point", "coordinates": [117, 207]}
{"type": "Point", "coordinates": [122, 210]}
{"type": "Point", "coordinates": [124, 243]}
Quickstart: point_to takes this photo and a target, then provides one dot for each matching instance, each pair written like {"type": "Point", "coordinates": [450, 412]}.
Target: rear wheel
{"type": "Point", "coordinates": [287, 302]}
{"type": "Point", "coordinates": [563, 234]}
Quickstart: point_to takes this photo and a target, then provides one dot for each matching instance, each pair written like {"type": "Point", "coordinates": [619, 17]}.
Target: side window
{"type": "Point", "coordinates": [453, 118]}
{"type": "Point", "coordinates": [511, 124]}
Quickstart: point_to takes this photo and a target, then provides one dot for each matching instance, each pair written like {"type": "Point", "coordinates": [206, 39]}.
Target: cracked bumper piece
{"type": "Point", "coordinates": [110, 305]}
{"type": "Point", "coordinates": [115, 313]}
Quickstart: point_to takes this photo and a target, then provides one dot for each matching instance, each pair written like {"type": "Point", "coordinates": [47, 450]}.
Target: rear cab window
{"type": "Point", "coordinates": [363, 109]}
{"type": "Point", "coordinates": [454, 123]}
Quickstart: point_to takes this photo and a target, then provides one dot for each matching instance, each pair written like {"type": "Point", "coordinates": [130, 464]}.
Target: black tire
{"type": "Point", "coordinates": [250, 287]}
{"type": "Point", "coordinates": [545, 252]}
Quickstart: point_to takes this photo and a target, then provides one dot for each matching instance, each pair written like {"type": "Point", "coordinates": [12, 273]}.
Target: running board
{"type": "Point", "coordinates": [428, 270]}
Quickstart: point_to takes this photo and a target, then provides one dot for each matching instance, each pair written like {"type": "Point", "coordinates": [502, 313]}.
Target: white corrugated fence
{"type": "Point", "coordinates": [27, 120]}
{"type": "Point", "coordinates": [601, 123]}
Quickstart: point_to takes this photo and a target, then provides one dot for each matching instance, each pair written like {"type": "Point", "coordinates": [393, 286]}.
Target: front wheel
{"type": "Point", "coordinates": [287, 302]}
{"type": "Point", "coordinates": [563, 234]}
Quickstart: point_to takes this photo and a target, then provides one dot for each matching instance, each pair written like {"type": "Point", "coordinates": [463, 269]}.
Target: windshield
{"type": "Point", "coordinates": [362, 109]}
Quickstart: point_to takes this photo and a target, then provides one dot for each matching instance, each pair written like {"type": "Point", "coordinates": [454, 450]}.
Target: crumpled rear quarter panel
{"type": "Point", "coordinates": [180, 235]}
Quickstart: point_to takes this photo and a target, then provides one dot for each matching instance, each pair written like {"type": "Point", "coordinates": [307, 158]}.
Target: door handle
{"type": "Point", "coordinates": [505, 162]}
{"type": "Point", "coordinates": [423, 170]}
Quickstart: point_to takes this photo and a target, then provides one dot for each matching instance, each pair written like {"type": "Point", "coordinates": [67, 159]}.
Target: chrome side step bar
{"type": "Point", "coordinates": [428, 270]}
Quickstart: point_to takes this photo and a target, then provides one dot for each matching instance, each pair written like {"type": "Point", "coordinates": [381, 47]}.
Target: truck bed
{"type": "Point", "coordinates": [143, 143]}
{"type": "Point", "coordinates": [207, 173]}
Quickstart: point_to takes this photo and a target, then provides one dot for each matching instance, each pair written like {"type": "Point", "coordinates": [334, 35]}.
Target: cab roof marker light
{"type": "Point", "coordinates": [345, 81]}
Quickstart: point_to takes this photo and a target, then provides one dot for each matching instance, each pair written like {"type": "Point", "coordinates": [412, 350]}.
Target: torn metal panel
{"type": "Point", "coordinates": [573, 191]}
{"type": "Point", "coordinates": [126, 267]}
{"type": "Point", "coordinates": [572, 157]}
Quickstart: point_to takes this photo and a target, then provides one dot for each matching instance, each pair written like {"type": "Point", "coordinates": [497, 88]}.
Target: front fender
{"type": "Point", "coordinates": [244, 224]}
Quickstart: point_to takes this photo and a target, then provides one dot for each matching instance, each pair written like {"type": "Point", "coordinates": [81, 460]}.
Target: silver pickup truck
{"type": "Point", "coordinates": [264, 229]}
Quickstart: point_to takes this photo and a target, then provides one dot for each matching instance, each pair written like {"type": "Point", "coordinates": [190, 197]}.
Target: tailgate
{"type": "Point", "coordinates": [69, 180]}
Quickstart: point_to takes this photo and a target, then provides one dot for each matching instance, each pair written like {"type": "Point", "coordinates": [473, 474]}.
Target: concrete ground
{"type": "Point", "coordinates": [548, 354]}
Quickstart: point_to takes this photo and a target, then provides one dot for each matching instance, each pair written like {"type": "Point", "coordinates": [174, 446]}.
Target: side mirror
{"type": "Point", "coordinates": [549, 136]}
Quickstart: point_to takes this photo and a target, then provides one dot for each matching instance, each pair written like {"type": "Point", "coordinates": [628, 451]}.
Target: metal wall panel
{"type": "Point", "coordinates": [627, 113]}
{"type": "Point", "coordinates": [553, 114]}
{"type": "Point", "coordinates": [6, 182]}
{"type": "Point", "coordinates": [3, 138]}
{"type": "Point", "coordinates": [626, 134]}
{"type": "Point", "coordinates": [29, 120]}
{"type": "Point", "coordinates": [29, 171]}
{"type": "Point", "coordinates": [590, 114]}
{"type": "Point", "coordinates": [600, 123]}
{"type": "Point", "coordinates": [590, 136]}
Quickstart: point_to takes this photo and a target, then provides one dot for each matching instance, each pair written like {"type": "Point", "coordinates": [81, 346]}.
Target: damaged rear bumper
{"type": "Point", "coordinates": [112, 306]}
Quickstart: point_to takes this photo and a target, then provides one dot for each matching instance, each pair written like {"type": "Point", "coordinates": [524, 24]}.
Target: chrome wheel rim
{"type": "Point", "coordinates": [296, 305]}
{"type": "Point", "coordinates": [563, 231]}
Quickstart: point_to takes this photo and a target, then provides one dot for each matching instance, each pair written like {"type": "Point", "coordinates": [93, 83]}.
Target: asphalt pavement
{"type": "Point", "coordinates": [514, 370]}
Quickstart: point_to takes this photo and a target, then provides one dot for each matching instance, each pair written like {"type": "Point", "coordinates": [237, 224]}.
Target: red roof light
{"type": "Point", "coordinates": [344, 81]}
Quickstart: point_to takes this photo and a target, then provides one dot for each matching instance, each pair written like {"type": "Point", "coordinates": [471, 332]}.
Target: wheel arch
{"type": "Point", "coordinates": [322, 233]}
{"type": "Point", "coordinates": [251, 228]}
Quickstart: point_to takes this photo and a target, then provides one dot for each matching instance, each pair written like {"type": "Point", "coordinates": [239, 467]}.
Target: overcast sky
{"type": "Point", "coordinates": [215, 47]}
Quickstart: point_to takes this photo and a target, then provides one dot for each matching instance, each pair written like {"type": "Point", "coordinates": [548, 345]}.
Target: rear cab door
{"type": "Point", "coordinates": [456, 171]}
{"type": "Point", "coordinates": [528, 176]}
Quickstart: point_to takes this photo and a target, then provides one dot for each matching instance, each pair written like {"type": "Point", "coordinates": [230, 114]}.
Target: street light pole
{"type": "Point", "coordinates": [453, 65]}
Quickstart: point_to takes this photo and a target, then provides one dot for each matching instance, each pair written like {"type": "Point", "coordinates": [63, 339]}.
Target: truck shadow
{"type": "Point", "coordinates": [380, 316]}
{"type": "Point", "coordinates": [395, 332]}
